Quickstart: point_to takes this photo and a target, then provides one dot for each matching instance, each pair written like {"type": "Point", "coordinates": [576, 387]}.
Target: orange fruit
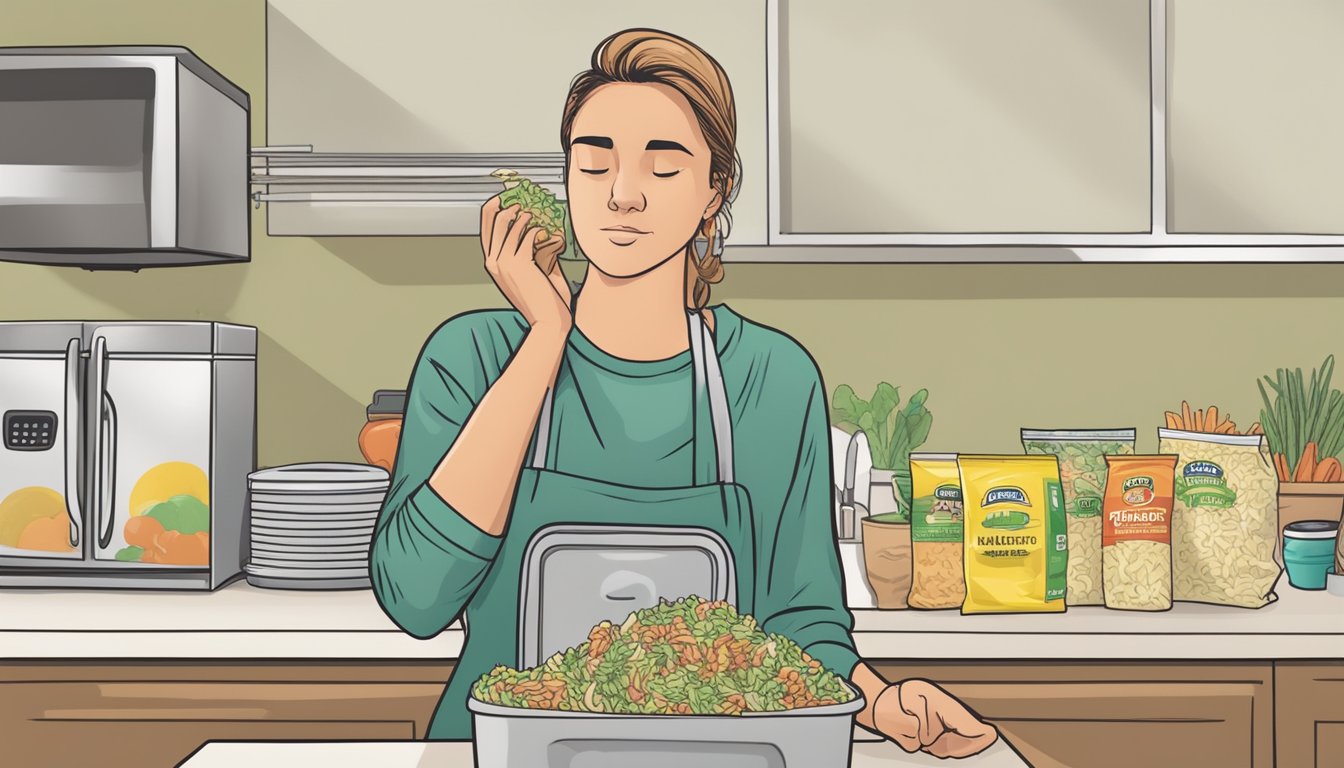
{"type": "Point", "coordinates": [140, 531]}
{"type": "Point", "coordinates": [47, 534]}
{"type": "Point", "coordinates": [173, 548]}
{"type": "Point", "coordinates": [25, 505]}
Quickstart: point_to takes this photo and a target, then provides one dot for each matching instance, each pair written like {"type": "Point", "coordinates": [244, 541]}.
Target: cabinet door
{"type": "Point", "coordinates": [1254, 117]}
{"type": "Point", "coordinates": [433, 77]}
{"type": "Point", "coordinates": [959, 116]}
{"type": "Point", "coordinates": [133, 717]}
{"type": "Point", "coordinates": [1120, 716]}
{"type": "Point", "coordinates": [1309, 713]}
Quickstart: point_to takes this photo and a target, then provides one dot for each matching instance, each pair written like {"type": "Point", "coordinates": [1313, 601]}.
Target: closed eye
{"type": "Point", "coordinates": [594, 171]}
{"type": "Point", "coordinates": [667, 175]}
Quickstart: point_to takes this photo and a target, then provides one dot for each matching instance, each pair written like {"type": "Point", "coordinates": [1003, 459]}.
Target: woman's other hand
{"type": "Point", "coordinates": [918, 715]}
{"type": "Point", "coordinates": [523, 262]}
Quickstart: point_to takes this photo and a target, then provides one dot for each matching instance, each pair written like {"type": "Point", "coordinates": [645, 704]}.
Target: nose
{"type": "Point", "coordinates": [626, 194]}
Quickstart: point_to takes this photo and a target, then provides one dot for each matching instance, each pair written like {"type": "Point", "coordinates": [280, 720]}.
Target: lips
{"type": "Point", "coordinates": [625, 229]}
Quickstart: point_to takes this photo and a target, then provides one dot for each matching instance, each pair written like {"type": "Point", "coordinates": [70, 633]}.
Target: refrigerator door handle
{"type": "Point", "coordinates": [108, 471]}
{"type": "Point", "coordinates": [98, 415]}
{"type": "Point", "coordinates": [72, 433]}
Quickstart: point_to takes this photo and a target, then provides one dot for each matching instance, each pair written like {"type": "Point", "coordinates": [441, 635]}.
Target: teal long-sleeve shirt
{"type": "Point", "coordinates": [628, 422]}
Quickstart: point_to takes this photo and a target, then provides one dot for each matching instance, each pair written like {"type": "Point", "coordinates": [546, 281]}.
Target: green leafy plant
{"type": "Point", "coordinates": [893, 431]}
{"type": "Point", "coordinates": [1304, 423]}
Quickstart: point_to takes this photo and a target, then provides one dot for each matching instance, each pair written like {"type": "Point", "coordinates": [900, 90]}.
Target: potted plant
{"type": "Point", "coordinates": [1303, 423]}
{"type": "Point", "coordinates": [893, 432]}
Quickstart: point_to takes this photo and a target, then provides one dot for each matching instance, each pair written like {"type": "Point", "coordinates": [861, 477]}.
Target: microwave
{"type": "Point", "coordinates": [121, 158]}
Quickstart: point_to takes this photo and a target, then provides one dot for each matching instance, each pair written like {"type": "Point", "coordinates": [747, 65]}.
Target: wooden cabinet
{"type": "Point", "coordinates": [1253, 117]}
{"type": "Point", "coordinates": [1121, 715]}
{"type": "Point", "coordinates": [958, 116]}
{"type": "Point", "coordinates": [145, 714]}
{"type": "Point", "coordinates": [1309, 714]}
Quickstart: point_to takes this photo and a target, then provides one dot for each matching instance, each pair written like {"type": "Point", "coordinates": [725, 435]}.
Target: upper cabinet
{"type": "Point", "coordinates": [1254, 117]}
{"type": "Point", "coordinates": [961, 116]}
{"type": "Point", "coordinates": [465, 88]}
{"type": "Point", "coordinates": [1115, 130]}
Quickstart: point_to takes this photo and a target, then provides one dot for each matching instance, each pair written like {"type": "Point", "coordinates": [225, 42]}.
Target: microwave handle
{"type": "Point", "coordinates": [72, 431]}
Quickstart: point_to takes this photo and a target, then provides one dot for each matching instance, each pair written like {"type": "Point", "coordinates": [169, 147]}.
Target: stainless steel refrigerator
{"type": "Point", "coordinates": [125, 454]}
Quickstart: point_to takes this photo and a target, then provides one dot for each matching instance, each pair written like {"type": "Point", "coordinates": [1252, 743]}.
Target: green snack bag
{"type": "Point", "coordinates": [1082, 469]}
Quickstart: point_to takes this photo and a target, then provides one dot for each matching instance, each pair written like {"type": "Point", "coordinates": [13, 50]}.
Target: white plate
{"type": "Point", "coordinates": [297, 557]}
{"type": "Point", "coordinates": [305, 499]}
{"type": "Point", "coordinates": [308, 565]}
{"type": "Point", "coordinates": [351, 518]}
{"type": "Point", "coordinates": [319, 472]}
{"type": "Point", "coordinates": [317, 525]}
{"type": "Point", "coordinates": [309, 540]}
{"type": "Point", "coordinates": [306, 573]}
{"type": "Point", "coordinates": [316, 509]}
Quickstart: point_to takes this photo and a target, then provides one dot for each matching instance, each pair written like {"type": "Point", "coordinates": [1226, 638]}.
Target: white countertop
{"type": "Point", "coordinates": [241, 621]}
{"type": "Point", "coordinates": [458, 754]}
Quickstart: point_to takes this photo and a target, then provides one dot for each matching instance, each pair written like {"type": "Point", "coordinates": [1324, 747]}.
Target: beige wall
{"type": "Point", "coordinates": [998, 346]}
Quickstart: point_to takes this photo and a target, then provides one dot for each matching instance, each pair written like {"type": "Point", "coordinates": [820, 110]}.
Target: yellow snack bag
{"type": "Point", "coordinates": [1016, 540]}
{"type": "Point", "coordinates": [936, 531]}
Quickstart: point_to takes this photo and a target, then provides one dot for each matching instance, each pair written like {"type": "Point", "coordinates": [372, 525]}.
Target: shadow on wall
{"type": "Point", "coordinates": [301, 416]}
{"type": "Point", "coordinates": [163, 293]}
{"type": "Point", "coordinates": [412, 260]}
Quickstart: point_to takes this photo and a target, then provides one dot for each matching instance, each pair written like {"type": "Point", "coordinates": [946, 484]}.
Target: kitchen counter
{"type": "Point", "coordinates": [242, 622]}
{"type": "Point", "coordinates": [452, 754]}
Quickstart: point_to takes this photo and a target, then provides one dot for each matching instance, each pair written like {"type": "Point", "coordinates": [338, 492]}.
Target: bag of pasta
{"type": "Point", "coordinates": [1225, 518]}
{"type": "Point", "coordinates": [1136, 532]}
{"type": "Point", "coordinates": [1017, 549]}
{"type": "Point", "coordinates": [1082, 471]}
{"type": "Point", "coordinates": [936, 531]}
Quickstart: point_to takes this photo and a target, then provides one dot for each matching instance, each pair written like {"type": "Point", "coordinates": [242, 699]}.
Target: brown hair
{"type": "Point", "coordinates": [652, 56]}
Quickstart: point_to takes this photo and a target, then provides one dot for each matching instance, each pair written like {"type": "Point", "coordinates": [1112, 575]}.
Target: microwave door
{"type": "Point", "coordinates": [42, 520]}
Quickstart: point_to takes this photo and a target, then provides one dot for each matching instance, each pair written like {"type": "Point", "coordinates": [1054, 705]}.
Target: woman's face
{"type": "Point", "coordinates": [638, 177]}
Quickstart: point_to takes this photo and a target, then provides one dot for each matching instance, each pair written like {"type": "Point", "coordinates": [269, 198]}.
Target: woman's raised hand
{"type": "Point", "coordinates": [523, 262]}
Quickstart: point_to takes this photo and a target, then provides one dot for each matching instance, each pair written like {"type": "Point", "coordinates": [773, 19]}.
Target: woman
{"type": "Point", "coordinates": [592, 397]}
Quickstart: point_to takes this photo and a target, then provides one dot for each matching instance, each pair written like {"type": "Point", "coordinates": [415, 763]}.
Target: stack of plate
{"type": "Point", "coordinates": [312, 523]}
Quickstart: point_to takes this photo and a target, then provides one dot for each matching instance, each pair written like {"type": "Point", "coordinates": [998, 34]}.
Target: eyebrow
{"type": "Point", "coordinates": [665, 144]}
{"type": "Point", "coordinates": [597, 141]}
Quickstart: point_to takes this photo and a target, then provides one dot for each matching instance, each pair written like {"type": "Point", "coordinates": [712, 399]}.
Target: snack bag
{"type": "Point", "coordinates": [1082, 472]}
{"type": "Point", "coordinates": [1136, 537]}
{"type": "Point", "coordinates": [1225, 518]}
{"type": "Point", "coordinates": [939, 579]}
{"type": "Point", "coordinates": [1016, 545]}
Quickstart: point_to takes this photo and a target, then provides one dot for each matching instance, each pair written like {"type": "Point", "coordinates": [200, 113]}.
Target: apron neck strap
{"type": "Point", "coordinates": [708, 381]}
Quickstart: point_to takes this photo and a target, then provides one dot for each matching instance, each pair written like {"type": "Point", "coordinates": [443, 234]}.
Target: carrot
{"type": "Point", "coordinates": [1307, 464]}
{"type": "Point", "coordinates": [1186, 421]}
{"type": "Point", "coordinates": [1172, 422]}
{"type": "Point", "coordinates": [1211, 418]}
{"type": "Point", "coordinates": [1328, 471]}
{"type": "Point", "coordinates": [1281, 464]}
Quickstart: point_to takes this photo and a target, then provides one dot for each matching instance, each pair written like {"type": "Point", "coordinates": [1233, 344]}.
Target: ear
{"type": "Point", "coordinates": [715, 203]}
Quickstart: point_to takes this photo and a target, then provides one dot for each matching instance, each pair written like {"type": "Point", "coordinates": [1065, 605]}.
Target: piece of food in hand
{"type": "Point", "coordinates": [547, 211]}
{"type": "Point", "coordinates": [688, 657]}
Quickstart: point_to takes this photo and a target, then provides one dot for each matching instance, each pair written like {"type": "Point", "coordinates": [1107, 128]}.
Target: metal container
{"type": "Point", "coordinates": [605, 573]}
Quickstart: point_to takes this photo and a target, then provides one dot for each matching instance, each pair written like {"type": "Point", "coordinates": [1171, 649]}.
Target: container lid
{"type": "Point", "coordinates": [1311, 529]}
{"type": "Point", "coordinates": [576, 576]}
{"type": "Point", "coordinates": [387, 401]}
{"type": "Point", "coordinates": [322, 477]}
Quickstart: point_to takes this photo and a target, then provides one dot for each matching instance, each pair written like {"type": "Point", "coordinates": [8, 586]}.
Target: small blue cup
{"type": "Point", "coordinates": [1309, 552]}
